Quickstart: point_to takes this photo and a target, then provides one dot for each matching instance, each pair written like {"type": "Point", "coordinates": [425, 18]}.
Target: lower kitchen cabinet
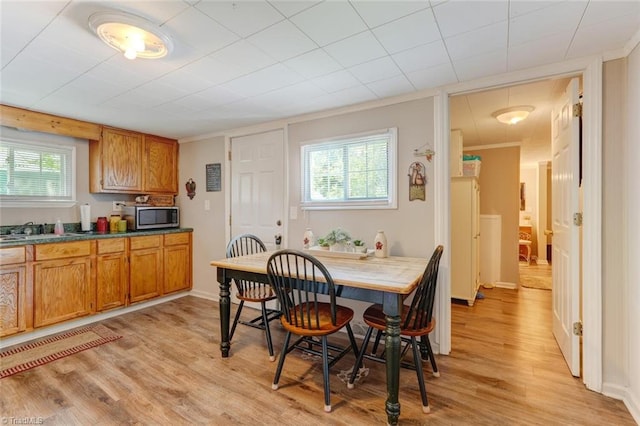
{"type": "Point", "coordinates": [13, 290]}
{"type": "Point", "coordinates": [177, 262]}
{"type": "Point", "coordinates": [62, 284]}
{"type": "Point", "coordinates": [112, 273]}
{"type": "Point", "coordinates": [145, 265]}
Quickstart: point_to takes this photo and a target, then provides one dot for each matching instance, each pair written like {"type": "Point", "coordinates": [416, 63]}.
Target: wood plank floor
{"type": "Point", "coordinates": [505, 368]}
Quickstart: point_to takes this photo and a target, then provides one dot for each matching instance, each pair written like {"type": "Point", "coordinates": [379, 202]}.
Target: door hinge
{"type": "Point", "coordinates": [229, 155]}
{"type": "Point", "coordinates": [577, 328]}
{"type": "Point", "coordinates": [577, 219]}
{"type": "Point", "coordinates": [577, 110]}
{"type": "Point", "coordinates": [229, 220]}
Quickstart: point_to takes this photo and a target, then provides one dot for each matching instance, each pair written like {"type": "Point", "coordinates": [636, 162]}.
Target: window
{"type": "Point", "coordinates": [356, 171]}
{"type": "Point", "coordinates": [35, 174]}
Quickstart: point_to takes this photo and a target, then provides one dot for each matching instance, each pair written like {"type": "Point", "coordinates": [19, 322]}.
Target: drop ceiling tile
{"type": "Point", "coordinates": [243, 57]}
{"type": "Point", "coordinates": [313, 64]}
{"type": "Point", "coordinates": [282, 41]}
{"type": "Point", "coordinates": [123, 78]}
{"type": "Point", "coordinates": [213, 70]}
{"type": "Point", "coordinates": [289, 8]}
{"type": "Point", "coordinates": [35, 77]}
{"type": "Point", "coordinates": [157, 12]}
{"type": "Point", "coordinates": [282, 97]}
{"type": "Point", "coordinates": [472, 43]}
{"type": "Point", "coordinates": [376, 13]}
{"type": "Point", "coordinates": [199, 31]}
{"type": "Point", "coordinates": [46, 50]}
{"type": "Point", "coordinates": [555, 19]}
{"type": "Point", "coordinates": [184, 81]}
{"type": "Point", "coordinates": [435, 76]}
{"type": "Point", "coordinates": [336, 81]}
{"type": "Point", "coordinates": [421, 57]}
{"type": "Point", "coordinates": [394, 86]}
{"type": "Point", "coordinates": [517, 8]}
{"type": "Point", "coordinates": [95, 91]}
{"type": "Point", "coordinates": [242, 17]}
{"type": "Point", "coordinates": [378, 69]}
{"type": "Point", "coordinates": [209, 98]}
{"type": "Point", "coordinates": [456, 17]}
{"type": "Point", "coordinates": [410, 31]}
{"type": "Point", "coordinates": [357, 49]}
{"type": "Point", "coordinates": [545, 50]}
{"type": "Point", "coordinates": [603, 36]}
{"type": "Point", "coordinates": [329, 22]}
{"type": "Point", "coordinates": [265, 80]}
{"type": "Point", "coordinates": [352, 96]}
{"type": "Point", "coordinates": [599, 11]}
{"type": "Point", "coordinates": [481, 66]}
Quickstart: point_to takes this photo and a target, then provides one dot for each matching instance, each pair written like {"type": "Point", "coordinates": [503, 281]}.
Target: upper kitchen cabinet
{"type": "Point", "coordinates": [160, 165]}
{"type": "Point", "coordinates": [123, 161]}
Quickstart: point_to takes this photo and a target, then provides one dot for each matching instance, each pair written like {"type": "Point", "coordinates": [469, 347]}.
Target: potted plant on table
{"type": "Point", "coordinates": [360, 246]}
{"type": "Point", "coordinates": [337, 239]}
{"type": "Point", "coordinates": [323, 244]}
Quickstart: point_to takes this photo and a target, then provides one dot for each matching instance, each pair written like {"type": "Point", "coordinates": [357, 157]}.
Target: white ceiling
{"type": "Point", "coordinates": [245, 62]}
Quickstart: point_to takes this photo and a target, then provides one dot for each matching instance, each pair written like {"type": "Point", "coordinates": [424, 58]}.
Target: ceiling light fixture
{"type": "Point", "coordinates": [513, 115]}
{"type": "Point", "coordinates": [136, 37]}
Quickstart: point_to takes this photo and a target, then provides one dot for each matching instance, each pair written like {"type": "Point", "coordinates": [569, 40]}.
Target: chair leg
{"type": "Point", "coordinates": [267, 331]}
{"type": "Point", "coordinates": [358, 364]}
{"type": "Point", "coordinates": [283, 354]}
{"type": "Point", "coordinates": [427, 345]}
{"type": "Point", "coordinates": [325, 374]}
{"type": "Point", "coordinates": [418, 362]}
{"type": "Point", "coordinates": [235, 320]}
{"type": "Point", "coordinates": [374, 350]}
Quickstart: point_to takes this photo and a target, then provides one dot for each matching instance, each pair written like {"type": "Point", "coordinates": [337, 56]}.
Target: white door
{"type": "Point", "coordinates": [566, 250]}
{"type": "Point", "coordinates": [257, 185]}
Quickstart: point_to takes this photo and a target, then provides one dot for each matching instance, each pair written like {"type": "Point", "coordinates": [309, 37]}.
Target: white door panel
{"type": "Point", "coordinates": [565, 265]}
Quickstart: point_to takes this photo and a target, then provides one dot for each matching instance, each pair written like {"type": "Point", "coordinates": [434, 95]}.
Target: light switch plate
{"type": "Point", "coordinates": [117, 206]}
{"type": "Point", "coordinates": [293, 212]}
{"type": "Point", "coordinates": [207, 204]}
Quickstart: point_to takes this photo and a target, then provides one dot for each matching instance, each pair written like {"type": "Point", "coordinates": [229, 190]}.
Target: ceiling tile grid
{"type": "Point", "coordinates": [242, 62]}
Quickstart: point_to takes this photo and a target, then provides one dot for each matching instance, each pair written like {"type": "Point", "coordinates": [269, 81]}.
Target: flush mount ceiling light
{"type": "Point", "coordinates": [134, 36]}
{"type": "Point", "coordinates": [513, 115]}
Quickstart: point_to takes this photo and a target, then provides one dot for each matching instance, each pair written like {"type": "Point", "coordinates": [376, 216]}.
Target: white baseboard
{"type": "Point", "coordinates": [542, 261]}
{"type": "Point", "coordinates": [502, 284]}
{"type": "Point", "coordinates": [623, 393]}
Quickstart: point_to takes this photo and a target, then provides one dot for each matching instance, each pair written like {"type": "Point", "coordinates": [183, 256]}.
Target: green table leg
{"type": "Point", "coordinates": [392, 304]}
{"type": "Point", "coordinates": [225, 312]}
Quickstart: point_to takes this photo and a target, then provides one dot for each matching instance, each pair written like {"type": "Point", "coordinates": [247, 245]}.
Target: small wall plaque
{"type": "Point", "coordinates": [214, 177]}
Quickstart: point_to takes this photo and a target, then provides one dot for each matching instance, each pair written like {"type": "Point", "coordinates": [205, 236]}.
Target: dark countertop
{"type": "Point", "coordinates": [91, 235]}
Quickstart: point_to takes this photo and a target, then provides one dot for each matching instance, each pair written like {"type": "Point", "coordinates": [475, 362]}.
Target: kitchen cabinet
{"type": "Point", "coordinates": [122, 161]}
{"type": "Point", "coordinates": [112, 273]}
{"type": "Point", "coordinates": [145, 266]}
{"type": "Point", "coordinates": [160, 165]}
{"type": "Point", "coordinates": [13, 290]}
{"type": "Point", "coordinates": [177, 262]}
{"type": "Point", "coordinates": [465, 238]}
{"type": "Point", "coordinates": [62, 284]}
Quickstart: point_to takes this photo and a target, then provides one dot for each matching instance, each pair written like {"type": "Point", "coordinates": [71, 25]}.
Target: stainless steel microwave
{"type": "Point", "coordinates": [151, 217]}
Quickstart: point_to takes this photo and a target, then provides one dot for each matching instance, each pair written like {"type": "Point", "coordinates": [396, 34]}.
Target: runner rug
{"type": "Point", "coordinates": [31, 355]}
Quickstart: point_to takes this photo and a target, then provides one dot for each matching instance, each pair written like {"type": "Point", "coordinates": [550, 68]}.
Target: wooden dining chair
{"type": "Point", "coordinates": [298, 280]}
{"type": "Point", "coordinates": [416, 321]}
{"type": "Point", "coordinates": [251, 291]}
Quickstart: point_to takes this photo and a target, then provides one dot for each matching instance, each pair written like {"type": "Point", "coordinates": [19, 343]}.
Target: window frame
{"type": "Point", "coordinates": [391, 202]}
{"type": "Point", "coordinates": [23, 201]}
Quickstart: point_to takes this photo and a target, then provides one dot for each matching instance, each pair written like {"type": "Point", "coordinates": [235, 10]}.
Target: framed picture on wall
{"type": "Point", "coordinates": [523, 203]}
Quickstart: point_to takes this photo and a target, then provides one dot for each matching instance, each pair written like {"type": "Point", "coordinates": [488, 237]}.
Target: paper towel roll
{"type": "Point", "coordinates": [85, 217]}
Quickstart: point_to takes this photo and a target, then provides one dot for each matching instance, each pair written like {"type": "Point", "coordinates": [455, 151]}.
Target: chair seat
{"type": "Point", "coordinates": [262, 293]}
{"type": "Point", "coordinates": [343, 316]}
{"type": "Point", "coordinates": [525, 242]}
{"type": "Point", "coordinates": [374, 317]}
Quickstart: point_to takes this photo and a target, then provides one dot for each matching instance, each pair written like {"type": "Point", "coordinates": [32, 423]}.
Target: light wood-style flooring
{"type": "Point", "coordinates": [504, 369]}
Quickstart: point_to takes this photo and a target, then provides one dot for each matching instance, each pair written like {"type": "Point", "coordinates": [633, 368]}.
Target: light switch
{"type": "Point", "coordinates": [293, 212]}
{"type": "Point", "coordinates": [207, 204]}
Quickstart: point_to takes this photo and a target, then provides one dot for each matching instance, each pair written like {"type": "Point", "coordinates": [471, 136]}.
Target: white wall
{"type": "Point", "coordinates": [632, 213]}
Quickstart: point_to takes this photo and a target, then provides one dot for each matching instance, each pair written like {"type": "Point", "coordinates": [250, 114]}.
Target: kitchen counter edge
{"type": "Point", "coordinates": [50, 238]}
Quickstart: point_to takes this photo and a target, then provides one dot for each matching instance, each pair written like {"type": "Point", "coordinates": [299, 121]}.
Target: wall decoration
{"type": "Point", "coordinates": [522, 197]}
{"type": "Point", "coordinates": [214, 177]}
{"type": "Point", "coordinates": [191, 188]}
{"type": "Point", "coordinates": [417, 181]}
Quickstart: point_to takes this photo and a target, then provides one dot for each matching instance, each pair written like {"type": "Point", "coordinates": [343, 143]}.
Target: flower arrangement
{"type": "Point", "coordinates": [337, 236]}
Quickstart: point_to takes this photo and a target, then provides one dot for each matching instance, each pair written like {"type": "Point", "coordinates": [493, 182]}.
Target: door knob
{"type": "Point", "coordinates": [279, 222]}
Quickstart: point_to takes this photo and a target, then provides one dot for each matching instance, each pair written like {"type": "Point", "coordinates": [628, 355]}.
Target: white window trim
{"type": "Point", "coordinates": [390, 203]}
{"type": "Point", "coordinates": [8, 202]}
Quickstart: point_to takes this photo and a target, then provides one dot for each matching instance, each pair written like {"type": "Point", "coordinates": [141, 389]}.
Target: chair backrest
{"type": "Point", "coordinates": [298, 279]}
{"type": "Point", "coordinates": [525, 236]}
{"type": "Point", "coordinates": [245, 244]}
{"type": "Point", "coordinates": [421, 308]}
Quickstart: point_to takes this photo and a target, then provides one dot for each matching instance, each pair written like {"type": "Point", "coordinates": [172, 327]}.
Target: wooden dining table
{"type": "Point", "coordinates": [371, 279]}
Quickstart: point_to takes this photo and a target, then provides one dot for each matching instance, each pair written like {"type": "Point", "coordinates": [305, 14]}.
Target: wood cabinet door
{"type": "Point", "coordinates": [145, 279]}
{"type": "Point", "coordinates": [177, 268]}
{"type": "Point", "coordinates": [12, 299]}
{"type": "Point", "coordinates": [161, 165]}
{"type": "Point", "coordinates": [112, 281]}
{"type": "Point", "coordinates": [62, 290]}
{"type": "Point", "coordinates": [121, 153]}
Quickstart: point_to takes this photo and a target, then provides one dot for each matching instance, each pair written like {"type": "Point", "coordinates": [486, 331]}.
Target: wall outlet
{"type": "Point", "coordinates": [117, 206]}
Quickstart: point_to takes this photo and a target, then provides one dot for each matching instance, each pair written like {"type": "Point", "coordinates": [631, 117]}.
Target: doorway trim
{"type": "Point", "coordinates": [591, 267]}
